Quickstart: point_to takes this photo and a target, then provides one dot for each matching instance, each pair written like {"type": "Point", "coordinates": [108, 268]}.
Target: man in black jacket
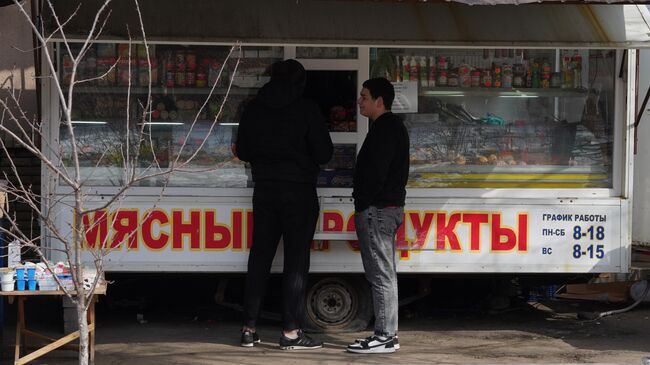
{"type": "Point", "coordinates": [379, 193]}
{"type": "Point", "coordinates": [284, 138]}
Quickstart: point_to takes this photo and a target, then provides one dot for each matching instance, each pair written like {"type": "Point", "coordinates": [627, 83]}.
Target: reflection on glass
{"type": "Point", "coordinates": [507, 117]}
{"type": "Point", "coordinates": [338, 171]}
{"type": "Point", "coordinates": [180, 124]}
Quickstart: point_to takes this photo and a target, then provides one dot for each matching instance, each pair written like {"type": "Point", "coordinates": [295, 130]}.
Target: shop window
{"type": "Point", "coordinates": [504, 118]}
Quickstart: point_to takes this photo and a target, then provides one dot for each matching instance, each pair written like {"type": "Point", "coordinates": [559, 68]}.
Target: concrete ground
{"type": "Point", "coordinates": [548, 333]}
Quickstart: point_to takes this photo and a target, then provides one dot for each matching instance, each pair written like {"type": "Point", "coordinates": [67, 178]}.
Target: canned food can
{"type": "Point", "coordinates": [180, 61]}
{"type": "Point", "coordinates": [181, 81]}
{"type": "Point", "coordinates": [190, 61]}
{"type": "Point", "coordinates": [170, 78]}
{"type": "Point", "coordinates": [190, 78]}
{"type": "Point", "coordinates": [442, 78]}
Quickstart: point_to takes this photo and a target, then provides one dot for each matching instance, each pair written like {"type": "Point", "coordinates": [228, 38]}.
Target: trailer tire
{"type": "Point", "coordinates": [335, 304]}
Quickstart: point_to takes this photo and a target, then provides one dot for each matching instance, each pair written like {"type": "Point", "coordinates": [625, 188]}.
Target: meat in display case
{"type": "Point", "coordinates": [506, 118]}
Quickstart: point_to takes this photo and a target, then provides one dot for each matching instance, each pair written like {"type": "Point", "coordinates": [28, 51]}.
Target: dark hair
{"type": "Point", "coordinates": [379, 86]}
{"type": "Point", "coordinates": [289, 70]}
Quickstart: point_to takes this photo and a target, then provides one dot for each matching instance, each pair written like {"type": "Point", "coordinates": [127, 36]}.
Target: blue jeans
{"type": "Point", "coordinates": [376, 229]}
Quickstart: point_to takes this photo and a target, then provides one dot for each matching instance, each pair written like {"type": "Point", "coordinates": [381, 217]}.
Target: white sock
{"type": "Point", "coordinates": [292, 337]}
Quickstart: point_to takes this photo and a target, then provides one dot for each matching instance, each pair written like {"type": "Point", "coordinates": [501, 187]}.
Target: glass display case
{"type": "Point", "coordinates": [504, 118]}
{"type": "Point", "coordinates": [477, 118]}
{"type": "Point", "coordinates": [187, 94]}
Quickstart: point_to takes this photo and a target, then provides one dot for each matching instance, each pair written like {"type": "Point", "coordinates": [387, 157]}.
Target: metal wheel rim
{"type": "Point", "coordinates": [332, 303]}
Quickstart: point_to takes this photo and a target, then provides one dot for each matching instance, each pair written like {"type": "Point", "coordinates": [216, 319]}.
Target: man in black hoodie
{"type": "Point", "coordinates": [284, 138]}
{"type": "Point", "coordinates": [379, 193]}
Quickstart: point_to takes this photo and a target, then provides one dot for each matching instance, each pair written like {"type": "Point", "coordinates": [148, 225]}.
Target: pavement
{"type": "Point", "coordinates": [535, 333]}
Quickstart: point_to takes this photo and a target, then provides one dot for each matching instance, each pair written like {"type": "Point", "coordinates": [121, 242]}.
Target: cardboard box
{"type": "Point", "coordinates": [606, 292]}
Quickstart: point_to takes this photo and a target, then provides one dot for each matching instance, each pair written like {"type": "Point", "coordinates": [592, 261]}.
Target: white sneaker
{"type": "Point", "coordinates": [395, 341]}
{"type": "Point", "coordinates": [372, 345]}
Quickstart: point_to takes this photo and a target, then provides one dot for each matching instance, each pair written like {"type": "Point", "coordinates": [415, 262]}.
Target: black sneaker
{"type": "Point", "coordinates": [373, 345]}
{"type": "Point", "coordinates": [395, 341]}
{"type": "Point", "coordinates": [302, 342]}
{"type": "Point", "coordinates": [249, 338]}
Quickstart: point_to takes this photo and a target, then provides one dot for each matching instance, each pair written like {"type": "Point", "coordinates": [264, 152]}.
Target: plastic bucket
{"type": "Point", "coordinates": [21, 284]}
{"type": "Point", "coordinates": [7, 285]}
{"type": "Point", "coordinates": [7, 276]}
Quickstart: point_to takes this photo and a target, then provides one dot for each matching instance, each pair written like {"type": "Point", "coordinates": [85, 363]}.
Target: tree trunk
{"type": "Point", "coordinates": [82, 315]}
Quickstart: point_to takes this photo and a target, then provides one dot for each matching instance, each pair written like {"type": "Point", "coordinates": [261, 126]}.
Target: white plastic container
{"type": "Point", "coordinates": [7, 285]}
{"type": "Point", "coordinates": [47, 283]}
{"type": "Point", "coordinates": [7, 276]}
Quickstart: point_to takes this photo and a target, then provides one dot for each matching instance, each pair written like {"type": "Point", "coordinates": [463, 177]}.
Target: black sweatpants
{"type": "Point", "coordinates": [289, 211]}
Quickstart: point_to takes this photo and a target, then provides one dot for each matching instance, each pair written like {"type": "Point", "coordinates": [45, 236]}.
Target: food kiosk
{"type": "Point", "coordinates": [521, 137]}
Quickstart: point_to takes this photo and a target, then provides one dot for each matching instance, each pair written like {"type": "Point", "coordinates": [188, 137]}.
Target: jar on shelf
{"type": "Point", "coordinates": [486, 78]}
{"type": "Point", "coordinates": [452, 78]}
{"type": "Point", "coordinates": [180, 79]}
{"type": "Point", "coordinates": [201, 79]}
{"type": "Point", "coordinates": [535, 74]}
{"type": "Point", "coordinates": [545, 77]}
{"type": "Point", "coordinates": [496, 68]}
{"type": "Point", "coordinates": [190, 78]}
{"type": "Point", "coordinates": [181, 66]}
{"type": "Point", "coordinates": [190, 61]}
{"type": "Point", "coordinates": [507, 75]}
{"type": "Point", "coordinates": [143, 72]}
{"type": "Point", "coordinates": [442, 78]}
{"type": "Point", "coordinates": [442, 63]}
{"type": "Point", "coordinates": [556, 80]}
{"type": "Point", "coordinates": [464, 75]}
{"type": "Point", "coordinates": [127, 72]}
{"type": "Point", "coordinates": [518, 75]}
{"type": "Point", "coordinates": [476, 78]}
{"type": "Point", "coordinates": [169, 68]}
{"type": "Point", "coordinates": [213, 74]}
{"type": "Point", "coordinates": [180, 60]}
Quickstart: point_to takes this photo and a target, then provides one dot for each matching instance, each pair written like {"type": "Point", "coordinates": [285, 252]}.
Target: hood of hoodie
{"type": "Point", "coordinates": [286, 86]}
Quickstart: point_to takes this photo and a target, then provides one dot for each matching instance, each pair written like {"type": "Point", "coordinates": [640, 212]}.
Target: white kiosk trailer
{"type": "Point", "coordinates": [520, 119]}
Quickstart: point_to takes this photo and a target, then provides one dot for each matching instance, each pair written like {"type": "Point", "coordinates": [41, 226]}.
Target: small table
{"type": "Point", "coordinates": [22, 331]}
